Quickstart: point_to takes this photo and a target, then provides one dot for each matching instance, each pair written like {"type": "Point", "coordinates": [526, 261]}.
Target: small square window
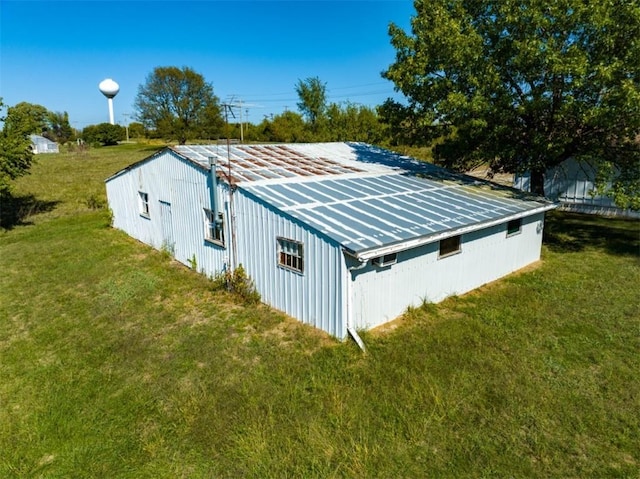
{"type": "Point", "coordinates": [144, 203]}
{"type": "Point", "coordinates": [514, 227]}
{"type": "Point", "coordinates": [449, 246]}
{"type": "Point", "coordinates": [290, 254]}
{"type": "Point", "coordinates": [213, 227]}
{"type": "Point", "coordinates": [386, 260]}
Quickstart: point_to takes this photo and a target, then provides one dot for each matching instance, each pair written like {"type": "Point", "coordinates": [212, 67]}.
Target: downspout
{"type": "Point", "coordinates": [350, 329]}
{"type": "Point", "coordinates": [232, 213]}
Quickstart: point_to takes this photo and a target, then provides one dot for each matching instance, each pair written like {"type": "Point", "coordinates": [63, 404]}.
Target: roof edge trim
{"type": "Point", "coordinates": [166, 149]}
{"type": "Point", "coordinates": [415, 242]}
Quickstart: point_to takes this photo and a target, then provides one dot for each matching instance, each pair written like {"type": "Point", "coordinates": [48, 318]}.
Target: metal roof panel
{"type": "Point", "coordinates": [362, 196]}
{"type": "Point", "coordinates": [365, 220]}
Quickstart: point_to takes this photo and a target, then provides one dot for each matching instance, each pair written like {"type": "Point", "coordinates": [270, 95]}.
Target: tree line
{"type": "Point", "coordinates": [179, 105]}
{"type": "Point", "coordinates": [515, 85]}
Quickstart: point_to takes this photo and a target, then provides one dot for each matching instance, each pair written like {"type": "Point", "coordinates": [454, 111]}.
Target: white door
{"type": "Point", "coordinates": [168, 241]}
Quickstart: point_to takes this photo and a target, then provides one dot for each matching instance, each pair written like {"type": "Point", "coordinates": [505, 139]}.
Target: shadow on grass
{"type": "Point", "coordinates": [572, 232]}
{"type": "Point", "coordinates": [14, 210]}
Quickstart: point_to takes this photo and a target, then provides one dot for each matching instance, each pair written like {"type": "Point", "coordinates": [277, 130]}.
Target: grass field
{"type": "Point", "coordinates": [115, 362]}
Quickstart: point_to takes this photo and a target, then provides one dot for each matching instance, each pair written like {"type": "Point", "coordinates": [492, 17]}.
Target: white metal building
{"type": "Point", "coordinates": [40, 144]}
{"type": "Point", "coordinates": [572, 184]}
{"type": "Point", "coordinates": [342, 236]}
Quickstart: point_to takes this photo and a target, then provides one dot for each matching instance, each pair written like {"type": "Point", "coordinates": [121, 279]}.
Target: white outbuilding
{"type": "Point", "coordinates": [572, 184]}
{"type": "Point", "coordinates": [40, 144]}
{"type": "Point", "coordinates": [342, 236]}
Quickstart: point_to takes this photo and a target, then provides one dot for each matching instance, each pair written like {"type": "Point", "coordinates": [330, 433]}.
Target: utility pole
{"type": "Point", "coordinates": [126, 124]}
{"type": "Point", "coordinates": [232, 220]}
{"type": "Point", "coordinates": [241, 132]}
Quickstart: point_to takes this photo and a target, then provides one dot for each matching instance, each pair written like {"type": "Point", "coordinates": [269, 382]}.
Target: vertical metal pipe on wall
{"type": "Point", "coordinates": [350, 327]}
{"type": "Point", "coordinates": [213, 185]}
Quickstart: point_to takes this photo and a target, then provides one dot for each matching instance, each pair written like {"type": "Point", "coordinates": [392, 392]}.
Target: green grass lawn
{"type": "Point", "coordinates": [116, 362]}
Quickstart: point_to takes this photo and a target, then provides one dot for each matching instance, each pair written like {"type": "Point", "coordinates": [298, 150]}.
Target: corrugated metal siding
{"type": "Point", "coordinates": [177, 182]}
{"type": "Point", "coordinates": [326, 212]}
{"type": "Point", "coordinates": [572, 183]}
{"type": "Point", "coordinates": [40, 144]}
{"type": "Point", "coordinates": [315, 297]}
{"type": "Point", "coordinates": [382, 294]}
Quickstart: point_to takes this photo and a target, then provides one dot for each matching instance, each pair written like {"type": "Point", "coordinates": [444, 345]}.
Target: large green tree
{"type": "Point", "coordinates": [524, 84]}
{"type": "Point", "coordinates": [312, 93]}
{"type": "Point", "coordinates": [352, 122]}
{"type": "Point", "coordinates": [288, 127]}
{"type": "Point", "coordinates": [27, 118]}
{"type": "Point", "coordinates": [34, 119]}
{"type": "Point", "coordinates": [58, 128]}
{"type": "Point", "coordinates": [15, 148]}
{"type": "Point", "coordinates": [179, 104]}
{"type": "Point", "coordinates": [334, 121]}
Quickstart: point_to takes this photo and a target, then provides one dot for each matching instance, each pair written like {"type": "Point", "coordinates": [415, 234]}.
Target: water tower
{"type": "Point", "coordinates": [109, 88]}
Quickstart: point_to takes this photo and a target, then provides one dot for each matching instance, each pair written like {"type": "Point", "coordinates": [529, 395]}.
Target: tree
{"type": "Point", "coordinates": [287, 127]}
{"type": "Point", "coordinates": [313, 99]}
{"type": "Point", "coordinates": [27, 119]}
{"type": "Point", "coordinates": [58, 128]}
{"type": "Point", "coordinates": [34, 119]}
{"type": "Point", "coordinates": [136, 130]}
{"type": "Point", "coordinates": [405, 125]}
{"type": "Point", "coordinates": [524, 85]}
{"type": "Point", "coordinates": [104, 133]}
{"type": "Point", "coordinates": [178, 104]}
{"type": "Point", "coordinates": [15, 148]}
{"type": "Point", "coordinates": [351, 122]}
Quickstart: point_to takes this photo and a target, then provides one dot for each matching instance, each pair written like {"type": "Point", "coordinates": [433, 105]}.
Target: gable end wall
{"type": "Point", "coordinates": [172, 184]}
{"type": "Point", "coordinates": [317, 296]}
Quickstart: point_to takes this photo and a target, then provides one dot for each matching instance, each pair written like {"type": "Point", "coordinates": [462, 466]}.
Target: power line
{"type": "Point", "coordinates": [234, 101]}
{"type": "Point", "coordinates": [264, 96]}
{"type": "Point", "coordinates": [359, 86]}
{"type": "Point", "coordinates": [329, 97]}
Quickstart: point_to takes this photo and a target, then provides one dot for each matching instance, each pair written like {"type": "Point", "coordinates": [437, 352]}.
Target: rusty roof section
{"type": "Point", "coordinates": [251, 163]}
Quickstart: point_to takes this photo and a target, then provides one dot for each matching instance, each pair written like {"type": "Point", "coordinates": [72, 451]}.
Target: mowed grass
{"type": "Point", "coordinates": [116, 362]}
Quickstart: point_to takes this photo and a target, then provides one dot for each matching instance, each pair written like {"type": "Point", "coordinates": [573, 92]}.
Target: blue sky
{"type": "Point", "coordinates": [55, 53]}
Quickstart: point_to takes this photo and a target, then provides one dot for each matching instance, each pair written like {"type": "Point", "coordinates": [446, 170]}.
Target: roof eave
{"type": "Point", "coordinates": [367, 254]}
{"type": "Point", "coordinates": [153, 156]}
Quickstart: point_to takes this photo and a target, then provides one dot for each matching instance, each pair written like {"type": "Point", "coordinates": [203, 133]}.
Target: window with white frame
{"type": "Point", "coordinates": [144, 203]}
{"type": "Point", "coordinates": [213, 227]}
{"type": "Point", "coordinates": [514, 227]}
{"type": "Point", "coordinates": [449, 246]}
{"type": "Point", "coordinates": [291, 254]}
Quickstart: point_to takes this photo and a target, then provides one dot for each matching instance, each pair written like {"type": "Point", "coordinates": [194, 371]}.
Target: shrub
{"type": "Point", "coordinates": [239, 283]}
{"type": "Point", "coordinates": [103, 134]}
{"type": "Point", "coordinates": [95, 202]}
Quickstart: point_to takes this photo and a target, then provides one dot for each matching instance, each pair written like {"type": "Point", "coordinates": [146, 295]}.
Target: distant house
{"type": "Point", "coordinates": [40, 144]}
{"type": "Point", "coordinates": [342, 236]}
{"type": "Point", "coordinates": [572, 185]}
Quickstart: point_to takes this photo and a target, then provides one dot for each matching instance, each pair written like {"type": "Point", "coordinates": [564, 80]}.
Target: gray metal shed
{"type": "Point", "coordinates": [342, 236]}
{"type": "Point", "coordinates": [572, 184]}
{"type": "Point", "coordinates": [40, 144]}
